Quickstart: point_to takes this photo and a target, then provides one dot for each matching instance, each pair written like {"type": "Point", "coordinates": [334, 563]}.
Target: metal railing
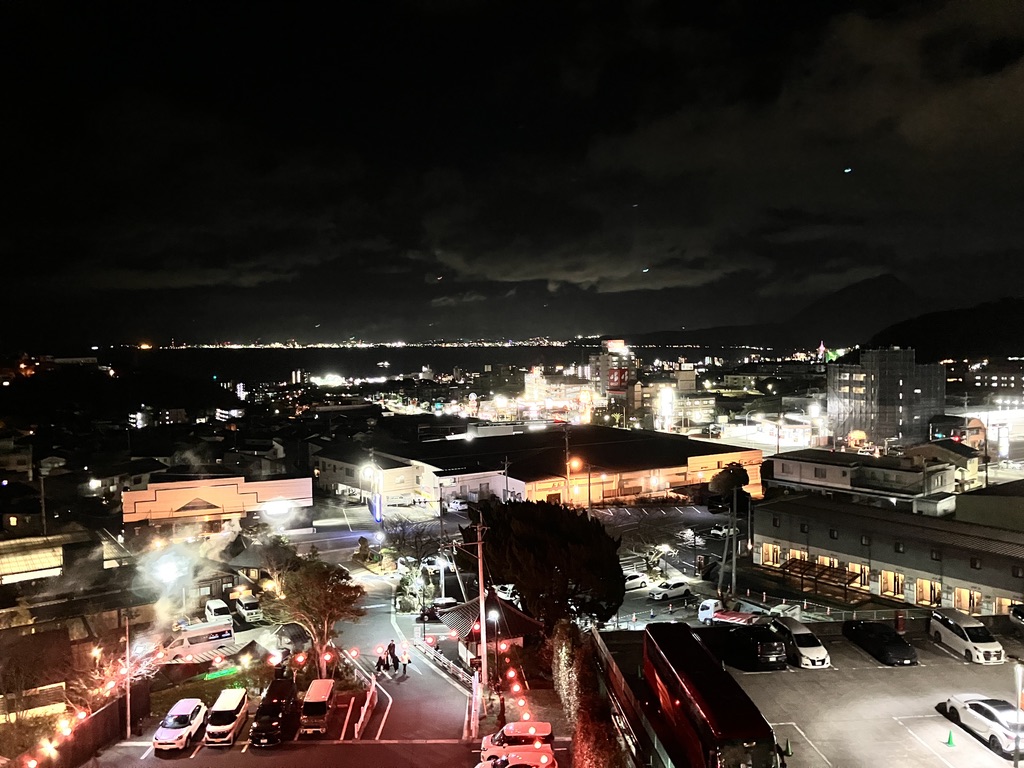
{"type": "Point", "coordinates": [439, 659]}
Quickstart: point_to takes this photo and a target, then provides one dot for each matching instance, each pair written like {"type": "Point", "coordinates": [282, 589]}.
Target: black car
{"type": "Point", "coordinates": [755, 648]}
{"type": "Point", "coordinates": [881, 641]}
{"type": "Point", "coordinates": [279, 703]}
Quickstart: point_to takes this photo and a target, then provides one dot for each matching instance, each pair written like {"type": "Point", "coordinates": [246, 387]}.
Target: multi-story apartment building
{"type": "Point", "coordinates": [613, 369]}
{"type": "Point", "coordinates": [923, 484]}
{"type": "Point", "coordinates": [880, 394]}
{"type": "Point", "coordinates": [852, 552]}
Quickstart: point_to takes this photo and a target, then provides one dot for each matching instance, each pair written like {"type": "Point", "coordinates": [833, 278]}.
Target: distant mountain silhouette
{"type": "Point", "coordinates": [991, 329]}
{"type": "Point", "coordinates": [851, 315]}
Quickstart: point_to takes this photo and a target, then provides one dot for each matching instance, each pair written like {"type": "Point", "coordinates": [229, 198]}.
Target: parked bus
{"type": "Point", "coordinates": [711, 721]}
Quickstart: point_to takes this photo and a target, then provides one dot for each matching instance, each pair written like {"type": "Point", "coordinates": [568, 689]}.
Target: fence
{"type": "Point", "coordinates": [102, 727]}
{"type": "Point", "coordinates": [454, 670]}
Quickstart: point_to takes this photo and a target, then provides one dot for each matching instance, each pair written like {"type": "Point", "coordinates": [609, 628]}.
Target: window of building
{"type": "Point", "coordinates": [976, 563]}
{"type": "Point", "coordinates": [776, 522]}
{"type": "Point", "coordinates": [820, 473]}
{"type": "Point", "coordinates": [936, 555]}
{"type": "Point", "coordinates": [805, 527]}
{"type": "Point", "coordinates": [865, 541]}
{"type": "Point", "coordinates": [843, 473]}
{"type": "Point", "coordinates": [898, 547]}
{"type": "Point", "coordinates": [786, 469]}
{"type": "Point", "coordinates": [833, 533]}
{"type": "Point", "coordinates": [1018, 571]}
{"type": "Point", "coordinates": [12, 521]}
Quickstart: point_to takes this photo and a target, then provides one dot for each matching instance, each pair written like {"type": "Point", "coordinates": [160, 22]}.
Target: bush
{"type": "Point", "coordinates": [575, 671]}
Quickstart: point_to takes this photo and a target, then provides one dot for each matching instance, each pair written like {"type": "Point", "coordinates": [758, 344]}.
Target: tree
{"type": "Point", "coordinates": [563, 564]}
{"type": "Point", "coordinates": [316, 595]}
{"type": "Point", "coordinates": [410, 539]}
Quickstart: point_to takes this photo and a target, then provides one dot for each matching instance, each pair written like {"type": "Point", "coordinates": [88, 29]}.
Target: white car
{"type": "Point", "coordinates": [636, 580]}
{"type": "Point", "coordinates": [992, 720]}
{"type": "Point", "coordinates": [524, 759]}
{"type": "Point", "coordinates": [435, 563]}
{"type": "Point", "coordinates": [181, 725]}
{"type": "Point", "coordinates": [721, 531]}
{"type": "Point", "coordinates": [668, 590]}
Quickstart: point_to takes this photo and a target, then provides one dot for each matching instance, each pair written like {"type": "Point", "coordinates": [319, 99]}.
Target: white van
{"type": "Point", "coordinates": [195, 639]}
{"type": "Point", "coordinates": [217, 610]}
{"type": "Point", "coordinates": [316, 706]}
{"type": "Point", "coordinates": [248, 607]}
{"type": "Point", "coordinates": [515, 736]}
{"type": "Point", "coordinates": [965, 635]}
{"type": "Point", "coordinates": [456, 505]}
{"type": "Point", "coordinates": [227, 717]}
{"type": "Point", "coordinates": [803, 648]}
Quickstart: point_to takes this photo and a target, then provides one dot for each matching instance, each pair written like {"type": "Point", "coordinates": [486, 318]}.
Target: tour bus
{"type": "Point", "coordinates": [709, 720]}
{"type": "Point", "coordinates": [195, 639]}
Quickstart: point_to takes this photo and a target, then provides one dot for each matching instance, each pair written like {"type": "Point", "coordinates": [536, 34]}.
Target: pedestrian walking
{"type": "Point", "coordinates": [382, 663]}
{"type": "Point", "coordinates": [501, 711]}
{"type": "Point", "coordinates": [394, 661]}
{"type": "Point", "coordinates": [405, 659]}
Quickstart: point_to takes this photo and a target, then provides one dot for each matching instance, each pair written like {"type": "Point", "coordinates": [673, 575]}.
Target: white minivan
{"type": "Point", "coordinates": [217, 610]}
{"type": "Point", "coordinates": [965, 635]}
{"type": "Point", "coordinates": [227, 717]}
{"type": "Point", "coordinates": [803, 648]}
{"type": "Point", "coordinates": [187, 643]}
{"type": "Point", "coordinates": [248, 607]}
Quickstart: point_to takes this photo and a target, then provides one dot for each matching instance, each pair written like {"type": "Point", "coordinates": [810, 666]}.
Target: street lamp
{"type": "Point", "coordinates": [1018, 676]}
{"type": "Point", "coordinates": [493, 616]}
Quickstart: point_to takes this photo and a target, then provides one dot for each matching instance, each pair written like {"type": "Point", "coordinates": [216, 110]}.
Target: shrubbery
{"type": "Point", "coordinates": [576, 675]}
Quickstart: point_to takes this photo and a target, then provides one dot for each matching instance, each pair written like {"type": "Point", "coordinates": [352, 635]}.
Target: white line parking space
{"type": "Point", "coordinates": [803, 752]}
{"type": "Point", "coordinates": [946, 744]}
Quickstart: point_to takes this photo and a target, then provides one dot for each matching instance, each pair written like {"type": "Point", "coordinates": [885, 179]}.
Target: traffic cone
{"type": "Point", "coordinates": [789, 749]}
{"type": "Point", "coordinates": [949, 740]}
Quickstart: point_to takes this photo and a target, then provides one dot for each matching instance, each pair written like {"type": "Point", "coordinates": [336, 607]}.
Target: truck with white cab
{"type": "Point", "coordinates": [713, 611]}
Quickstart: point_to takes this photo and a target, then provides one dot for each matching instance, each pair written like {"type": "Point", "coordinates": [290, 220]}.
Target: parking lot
{"type": "Point", "coordinates": [862, 713]}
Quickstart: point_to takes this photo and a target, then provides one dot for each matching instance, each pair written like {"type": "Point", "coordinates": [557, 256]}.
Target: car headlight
{"type": "Point", "coordinates": [276, 723]}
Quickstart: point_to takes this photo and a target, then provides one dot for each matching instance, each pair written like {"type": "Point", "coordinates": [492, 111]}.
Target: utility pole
{"type": "Point", "coordinates": [504, 465]}
{"type": "Point", "coordinates": [127, 680]}
{"type": "Point", "coordinates": [42, 496]}
{"type": "Point", "coordinates": [733, 533]}
{"type": "Point", "coordinates": [484, 678]}
{"type": "Point", "coordinates": [568, 499]}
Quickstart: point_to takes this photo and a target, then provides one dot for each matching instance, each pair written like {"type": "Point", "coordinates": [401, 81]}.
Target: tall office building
{"type": "Point", "coordinates": [884, 394]}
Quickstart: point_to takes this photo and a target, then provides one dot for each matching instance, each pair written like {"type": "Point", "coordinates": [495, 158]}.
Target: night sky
{"type": "Point", "coordinates": [439, 169]}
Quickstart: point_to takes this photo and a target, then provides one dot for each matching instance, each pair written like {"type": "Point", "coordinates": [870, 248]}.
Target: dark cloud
{"type": "Point", "coordinates": [470, 168]}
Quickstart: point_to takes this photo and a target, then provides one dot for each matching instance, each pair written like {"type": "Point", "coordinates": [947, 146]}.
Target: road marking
{"type": "Point", "coordinates": [348, 715]}
{"type": "Point", "coordinates": [245, 747]}
{"type": "Point", "coordinates": [147, 753]}
{"type": "Point", "coordinates": [195, 751]}
{"type": "Point", "coordinates": [809, 742]}
{"type": "Point", "coordinates": [948, 652]}
{"type": "Point", "coordinates": [923, 743]}
{"type": "Point", "coordinates": [396, 741]}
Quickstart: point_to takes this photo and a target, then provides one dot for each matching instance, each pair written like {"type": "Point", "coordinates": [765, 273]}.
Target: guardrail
{"type": "Point", "coordinates": [457, 672]}
{"type": "Point", "coordinates": [367, 710]}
